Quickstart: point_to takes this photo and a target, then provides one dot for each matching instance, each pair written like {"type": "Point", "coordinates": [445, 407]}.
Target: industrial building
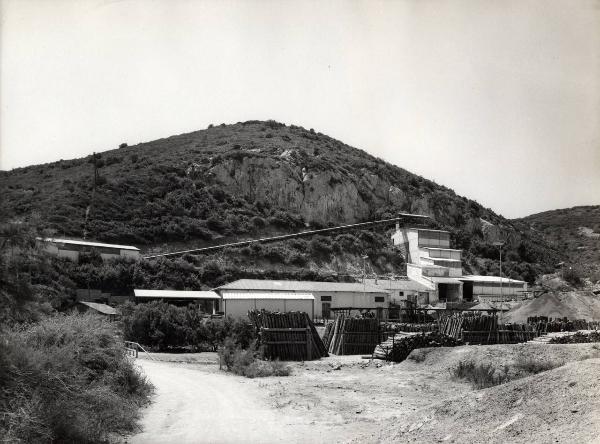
{"type": "Point", "coordinates": [208, 301]}
{"type": "Point", "coordinates": [72, 249]}
{"type": "Point", "coordinates": [404, 289]}
{"type": "Point", "coordinates": [318, 299]}
{"type": "Point", "coordinates": [432, 263]}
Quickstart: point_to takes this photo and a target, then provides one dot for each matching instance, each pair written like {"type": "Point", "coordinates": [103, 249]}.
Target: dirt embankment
{"type": "Point", "coordinates": [560, 405]}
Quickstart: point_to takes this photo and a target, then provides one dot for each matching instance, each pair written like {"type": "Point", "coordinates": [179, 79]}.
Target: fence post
{"type": "Point", "coordinates": [308, 344]}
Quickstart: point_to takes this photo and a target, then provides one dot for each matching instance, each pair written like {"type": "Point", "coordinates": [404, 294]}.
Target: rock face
{"type": "Point", "coordinates": [320, 197]}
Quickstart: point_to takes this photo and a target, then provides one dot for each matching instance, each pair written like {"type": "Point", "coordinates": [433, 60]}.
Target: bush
{"type": "Point", "coordinates": [533, 365]}
{"type": "Point", "coordinates": [480, 375]}
{"type": "Point", "coordinates": [247, 363]}
{"type": "Point", "coordinates": [163, 326]}
{"type": "Point", "coordinates": [66, 379]}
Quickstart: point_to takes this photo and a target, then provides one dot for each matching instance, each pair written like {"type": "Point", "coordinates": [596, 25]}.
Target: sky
{"type": "Point", "coordinates": [498, 100]}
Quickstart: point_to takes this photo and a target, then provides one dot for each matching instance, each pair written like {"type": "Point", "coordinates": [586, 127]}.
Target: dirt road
{"type": "Point", "coordinates": [347, 399]}
{"type": "Point", "coordinates": [194, 404]}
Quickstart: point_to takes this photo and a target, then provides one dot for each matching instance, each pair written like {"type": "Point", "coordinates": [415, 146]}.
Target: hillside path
{"type": "Point", "coordinates": [196, 405]}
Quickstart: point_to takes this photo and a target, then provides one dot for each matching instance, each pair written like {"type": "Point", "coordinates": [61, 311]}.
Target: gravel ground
{"type": "Point", "coordinates": [349, 399]}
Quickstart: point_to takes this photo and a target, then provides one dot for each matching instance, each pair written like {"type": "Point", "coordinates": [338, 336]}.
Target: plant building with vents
{"type": "Point", "coordinates": [431, 262]}
{"type": "Point", "coordinates": [318, 299]}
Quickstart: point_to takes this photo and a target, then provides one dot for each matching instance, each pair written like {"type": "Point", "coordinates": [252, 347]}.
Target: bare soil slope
{"type": "Point", "coordinates": [573, 305]}
{"type": "Point", "coordinates": [560, 405]}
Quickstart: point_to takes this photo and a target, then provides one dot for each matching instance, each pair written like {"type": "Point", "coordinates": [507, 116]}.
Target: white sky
{"type": "Point", "coordinates": [499, 100]}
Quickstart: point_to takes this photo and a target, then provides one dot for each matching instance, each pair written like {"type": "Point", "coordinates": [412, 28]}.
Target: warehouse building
{"type": "Point", "coordinates": [72, 249]}
{"type": "Point", "coordinates": [208, 301]}
{"type": "Point", "coordinates": [404, 289]}
{"type": "Point", "coordinates": [318, 299]}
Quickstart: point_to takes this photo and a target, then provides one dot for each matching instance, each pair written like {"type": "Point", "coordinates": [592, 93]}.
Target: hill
{"type": "Point", "coordinates": [575, 231]}
{"type": "Point", "coordinates": [233, 182]}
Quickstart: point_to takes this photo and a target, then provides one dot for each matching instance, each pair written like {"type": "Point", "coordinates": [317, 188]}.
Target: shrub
{"type": "Point", "coordinates": [247, 363]}
{"type": "Point", "coordinates": [480, 375]}
{"type": "Point", "coordinates": [66, 379]}
{"type": "Point", "coordinates": [534, 365]}
{"type": "Point", "coordinates": [123, 145]}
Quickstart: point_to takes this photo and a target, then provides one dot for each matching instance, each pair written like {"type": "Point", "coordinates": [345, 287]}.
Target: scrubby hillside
{"type": "Point", "coordinates": [575, 231]}
{"type": "Point", "coordinates": [232, 182]}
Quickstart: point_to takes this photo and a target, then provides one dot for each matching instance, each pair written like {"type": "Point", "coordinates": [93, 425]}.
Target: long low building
{"type": "Point", "coordinates": [318, 299]}
{"type": "Point", "coordinates": [492, 288]}
{"type": "Point", "coordinates": [208, 301]}
{"type": "Point", "coordinates": [237, 304]}
{"type": "Point", "coordinates": [71, 248]}
{"type": "Point", "coordinates": [401, 290]}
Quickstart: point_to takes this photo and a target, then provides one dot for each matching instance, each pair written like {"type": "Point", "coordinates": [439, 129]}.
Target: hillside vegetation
{"type": "Point", "coordinates": [574, 231]}
{"type": "Point", "coordinates": [233, 182]}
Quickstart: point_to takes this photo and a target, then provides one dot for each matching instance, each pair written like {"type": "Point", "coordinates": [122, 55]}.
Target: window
{"type": "Point", "coordinates": [325, 298]}
{"type": "Point", "coordinates": [379, 299]}
{"type": "Point", "coordinates": [401, 293]}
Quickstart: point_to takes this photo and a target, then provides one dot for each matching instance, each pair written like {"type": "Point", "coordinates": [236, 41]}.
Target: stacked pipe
{"type": "Point", "coordinates": [410, 327]}
{"type": "Point", "coordinates": [291, 345]}
{"type": "Point", "coordinates": [352, 336]}
{"type": "Point", "coordinates": [398, 347]}
{"type": "Point", "coordinates": [545, 324]}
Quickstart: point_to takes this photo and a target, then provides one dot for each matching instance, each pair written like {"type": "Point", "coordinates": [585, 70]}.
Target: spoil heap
{"type": "Point", "coordinates": [572, 305]}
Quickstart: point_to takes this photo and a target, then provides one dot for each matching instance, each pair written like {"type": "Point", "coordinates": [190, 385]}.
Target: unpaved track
{"type": "Point", "coordinates": [195, 405]}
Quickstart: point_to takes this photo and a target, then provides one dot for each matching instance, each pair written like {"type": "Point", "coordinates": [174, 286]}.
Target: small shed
{"type": "Point", "coordinates": [102, 309]}
{"type": "Point", "coordinates": [208, 301]}
{"type": "Point", "coordinates": [237, 304]}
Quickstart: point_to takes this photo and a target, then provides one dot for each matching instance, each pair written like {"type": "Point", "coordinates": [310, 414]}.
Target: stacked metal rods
{"type": "Point", "coordinates": [451, 325]}
{"type": "Point", "coordinates": [352, 336]}
{"type": "Point", "coordinates": [398, 347]}
{"type": "Point", "coordinates": [406, 327]}
{"type": "Point", "coordinates": [485, 329]}
{"type": "Point", "coordinates": [544, 324]}
{"type": "Point", "coordinates": [287, 336]}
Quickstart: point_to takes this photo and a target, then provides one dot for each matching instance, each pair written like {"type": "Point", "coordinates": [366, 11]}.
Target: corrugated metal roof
{"type": "Point", "coordinates": [175, 294]}
{"type": "Point", "coordinates": [300, 286]}
{"type": "Point", "coordinates": [444, 280]}
{"type": "Point", "coordinates": [267, 295]}
{"type": "Point", "coordinates": [102, 308]}
{"type": "Point", "coordinates": [91, 244]}
{"type": "Point", "coordinates": [475, 278]}
{"type": "Point", "coordinates": [402, 284]}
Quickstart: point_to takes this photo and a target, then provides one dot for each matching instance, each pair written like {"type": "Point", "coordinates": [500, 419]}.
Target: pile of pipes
{"type": "Point", "coordinates": [352, 336]}
{"type": "Point", "coordinates": [410, 327]}
{"type": "Point", "coordinates": [451, 326]}
{"type": "Point", "coordinates": [503, 334]}
{"type": "Point", "coordinates": [398, 347]}
{"type": "Point", "coordinates": [485, 329]}
{"type": "Point", "coordinates": [577, 338]}
{"type": "Point", "coordinates": [287, 336]}
{"type": "Point", "coordinates": [544, 324]}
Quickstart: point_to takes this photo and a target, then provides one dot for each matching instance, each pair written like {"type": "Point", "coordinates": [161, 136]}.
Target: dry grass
{"type": "Point", "coordinates": [66, 379]}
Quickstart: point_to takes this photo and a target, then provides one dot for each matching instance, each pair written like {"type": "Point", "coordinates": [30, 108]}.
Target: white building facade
{"type": "Point", "coordinates": [432, 263]}
{"type": "Point", "coordinates": [72, 249]}
{"type": "Point", "coordinates": [318, 299]}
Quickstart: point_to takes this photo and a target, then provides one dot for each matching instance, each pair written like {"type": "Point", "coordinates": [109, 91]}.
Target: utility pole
{"type": "Point", "coordinates": [499, 245]}
{"type": "Point", "coordinates": [88, 209]}
{"type": "Point", "coordinates": [364, 276]}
